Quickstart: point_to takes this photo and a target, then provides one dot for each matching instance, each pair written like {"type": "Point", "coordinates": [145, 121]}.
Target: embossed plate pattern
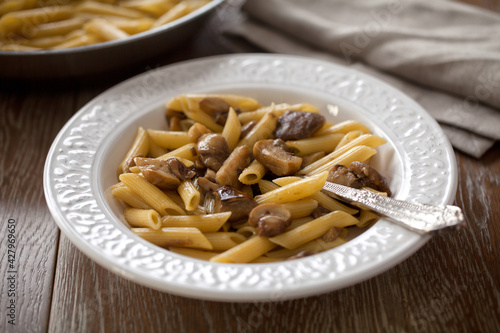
{"type": "Point", "coordinates": [80, 167]}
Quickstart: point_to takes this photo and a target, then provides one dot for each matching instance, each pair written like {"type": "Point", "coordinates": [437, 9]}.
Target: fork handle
{"type": "Point", "coordinates": [415, 216]}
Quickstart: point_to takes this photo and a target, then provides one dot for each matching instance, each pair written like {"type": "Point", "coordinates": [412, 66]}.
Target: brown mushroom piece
{"type": "Point", "coordinates": [207, 185]}
{"type": "Point", "coordinates": [213, 150]}
{"type": "Point", "coordinates": [270, 219]}
{"type": "Point", "coordinates": [164, 174]}
{"type": "Point", "coordinates": [296, 125]}
{"type": "Point", "coordinates": [217, 107]}
{"type": "Point", "coordinates": [332, 234]}
{"type": "Point", "coordinates": [233, 166]}
{"type": "Point", "coordinates": [370, 177]}
{"type": "Point", "coordinates": [179, 169]}
{"type": "Point", "coordinates": [277, 156]}
{"type": "Point", "coordinates": [245, 129]}
{"type": "Point", "coordinates": [340, 174]}
{"type": "Point", "coordinates": [229, 199]}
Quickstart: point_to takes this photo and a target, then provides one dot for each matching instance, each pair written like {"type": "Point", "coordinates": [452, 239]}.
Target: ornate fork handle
{"type": "Point", "coordinates": [415, 216]}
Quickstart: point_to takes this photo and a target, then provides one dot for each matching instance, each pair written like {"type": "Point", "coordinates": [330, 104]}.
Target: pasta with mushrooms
{"type": "Point", "coordinates": [31, 25]}
{"type": "Point", "coordinates": [243, 183]}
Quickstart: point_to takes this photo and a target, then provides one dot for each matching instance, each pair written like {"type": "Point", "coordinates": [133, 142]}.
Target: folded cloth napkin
{"type": "Point", "coordinates": [444, 54]}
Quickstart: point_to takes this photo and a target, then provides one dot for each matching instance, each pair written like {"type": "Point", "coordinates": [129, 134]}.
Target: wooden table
{"type": "Point", "coordinates": [451, 285]}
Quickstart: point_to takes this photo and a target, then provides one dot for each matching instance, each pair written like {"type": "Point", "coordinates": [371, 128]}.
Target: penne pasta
{"type": "Point", "coordinates": [193, 253]}
{"type": "Point", "coordinates": [156, 198]}
{"type": "Point", "coordinates": [155, 8]}
{"type": "Point", "coordinates": [321, 198]}
{"type": "Point", "coordinates": [121, 191]}
{"type": "Point", "coordinates": [169, 139]}
{"type": "Point", "coordinates": [104, 30]}
{"type": "Point", "coordinates": [344, 128]}
{"type": "Point", "coordinates": [188, 152]}
{"type": "Point", "coordinates": [178, 11]}
{"type": "Point", "coordinates": [264, 260]}
{"type": "Point", "coordinates": [193, 111]}
{"type": "Point", "coordinates": [365, 140]}
{"type": "Point", "coordinates": [262, 130]}
{"type": "Point", "coordinates": [222, 241]}
{"type": "Point", "coordinates": [277, 109]}
{"type": "Point", "coordinates": [307, 232]}
{"type": "Point", "coordinates": [326, 143]}
{"type": "Point", "coordinates": [242, 103]}
{"type": "Point", "coordinates": [148, 218]}
{"type": "Point", "coordinates": [247, 251]}
{"type": "Point", "coordinates": [180, 237]}
{"type": "Point", "coordinates": [140, 147]}
{"type": "Point", "coordinates": [157, 151]}
{"type": "Point", "coordinates": [356, 153]}
{"type": "Point", "coordinates": [58, 28]}
{"type": "Point", "coordinates": [189, 194]}
{"type": "Point", "coordinates": [15, 21]}
{"type": "Point", "coordinates": [24, 22]}
{"type": "Point", "coordinates": [267, 186]}
{"type": "Point", "coordinates": [348, 138]}
{"type": "Point", "coordinates": [312, 247]}
{"type": "Point", "coordinates": [204, 223]}
{"type": "Point", "coordinates": [253, 173]}
{"type": "Point", "coordinates": [294, 191]}
{"type": "Point", "coordinates": [232, 129]}
{"type": "Point", "coordinates": [366, 218]}
{"type": "Point", "coordinates": [94, 7]}
{"type": "Point", "coordinates": [301, 208]}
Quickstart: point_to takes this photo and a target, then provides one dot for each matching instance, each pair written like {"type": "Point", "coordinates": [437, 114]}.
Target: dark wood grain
{"type": "Point", "coordinates": [27, 127]}
{"type": "Point", "coordinates": [452, 284]}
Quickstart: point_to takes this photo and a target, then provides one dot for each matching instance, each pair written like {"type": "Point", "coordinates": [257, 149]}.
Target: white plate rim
{"type": "Point", "coordinates": [263, 282]}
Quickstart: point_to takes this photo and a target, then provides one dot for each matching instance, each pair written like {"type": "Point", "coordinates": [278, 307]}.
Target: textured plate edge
{"type": "Point", "coordinates": [190, 292]}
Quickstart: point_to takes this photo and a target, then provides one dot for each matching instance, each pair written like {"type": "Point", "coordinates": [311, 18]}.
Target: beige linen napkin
{"type": "Point", "coordinates": [444, 54]}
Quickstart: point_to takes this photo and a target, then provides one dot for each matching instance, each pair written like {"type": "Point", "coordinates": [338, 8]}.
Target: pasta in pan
{"type": "Point", "coordinates": [30, 25]}
{"type": "Point", "coordinates": [243, 184]}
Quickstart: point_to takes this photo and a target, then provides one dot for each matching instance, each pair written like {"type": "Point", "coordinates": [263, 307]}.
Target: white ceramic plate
{"type": "Point", "coordinates": [418, 161]}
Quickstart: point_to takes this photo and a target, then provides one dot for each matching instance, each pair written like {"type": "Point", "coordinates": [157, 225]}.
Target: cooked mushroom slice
{"type": "Point", "coordinates": [342, 175]}
{"type": "Point", "coordinates": [370, 177]}
{"type": "Point", "coordinates": [179, 169]}
{"type": "Point", "coordinates": [174, 124]}
{"type": "Point", "coordinates": [332, 234]}
{"type": "Point", "coordinates": [277, 157]}
{"type": "Point", "coordinates": [213, 150]}
{"type": "Point", "coordinates": [216, 107]}
{"type": "Point", "coordinates": [174, 113]}
{"type": "Point", "coordinates": [230, 171]}
{"type": "Point", "coordinates": [296, 125]}
{"type": "Point", "coordinates": [229, 199]}
{"type": "Point", "coordinates": [245, 129]}
{"type": "Point", "coordinates": [161, 179]}
{"type": "Point", "coordinates": [165, 174]}
{"type": "Point", "coordinates": [210, 175]}
{"type": "Point", "coordinates": [270, 219]}
{"type": "Point", "coordinates": [130, 162]}
{"type": "Point", "coordinates": [207, 185]}
{"type": "Point", "coordinates": [214, 104]}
